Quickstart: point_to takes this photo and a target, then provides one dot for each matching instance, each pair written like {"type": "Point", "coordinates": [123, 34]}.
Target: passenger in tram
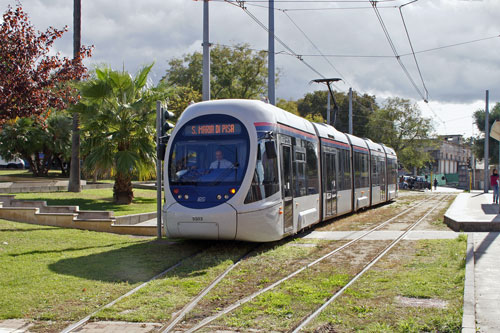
{"type": "Point", "coordinates": [220, 162]}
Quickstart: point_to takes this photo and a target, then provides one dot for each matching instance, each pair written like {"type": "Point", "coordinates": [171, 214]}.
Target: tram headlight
{"type": "Point", "coordinates": [226, 196]}
{"type": "Point", "coordinates": [232, 191]}
{"type": "Point", "coordinates": [186, 196]}
{"type": "Point", "coordinates": [179, 196]}
{"type": "Point", "coordinates": [219, 196]}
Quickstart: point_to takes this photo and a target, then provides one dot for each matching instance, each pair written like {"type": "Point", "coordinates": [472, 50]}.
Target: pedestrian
{"type": "Point", "coordinates": [494, 184]}
{"type": "Point", "coordinates": [435, 184]}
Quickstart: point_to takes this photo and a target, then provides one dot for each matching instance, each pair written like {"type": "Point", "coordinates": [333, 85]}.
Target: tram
{"type": "Point", "coordinates": [247, 170]}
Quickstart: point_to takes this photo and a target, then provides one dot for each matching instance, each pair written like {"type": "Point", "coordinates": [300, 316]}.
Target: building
{"type": "Point", "coordinates": [450, 154]}
{"type": "Point", "coordinates": [451, 161]}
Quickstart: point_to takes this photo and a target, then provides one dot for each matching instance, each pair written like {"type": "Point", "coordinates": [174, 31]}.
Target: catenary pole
{"type": "Point", "coordinates": [158, 170]}
{"type": "Point", "coordinates": [270, 71]}
{"type": "Point", "coordinates": [350, 110]}
{"type": "Point", "coordinates": [328, 110]}
{"type": "Point", "coordinates": [486, 144]}
{"type": "Point", "coordinates": [206, 54]}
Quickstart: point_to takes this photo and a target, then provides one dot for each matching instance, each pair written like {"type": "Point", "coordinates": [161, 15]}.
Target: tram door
{"type": "Point", "coordinates": [330, 180]}
{"type": "Point", "coordinates": [287, 186]}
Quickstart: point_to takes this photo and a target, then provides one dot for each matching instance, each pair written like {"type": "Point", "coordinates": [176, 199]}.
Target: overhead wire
{"type": "Point", "coordinates": [263, 26]}
{"type": "Point", "coordinates": [393, 48]}
{"type": "Point", "coordinates": [412, 50]}
{"type": "Point", "coordinates": [317, 49]}
{"type": "Point", "coordinates": [291, 52]}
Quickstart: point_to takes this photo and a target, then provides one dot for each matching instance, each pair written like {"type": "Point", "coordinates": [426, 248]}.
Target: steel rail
{"type": "Point", "coordinates": [244, 300]}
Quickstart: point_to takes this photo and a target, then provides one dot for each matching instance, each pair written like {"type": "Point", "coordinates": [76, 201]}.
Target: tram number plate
{"type": "Point", "coordinates": [197, 219]}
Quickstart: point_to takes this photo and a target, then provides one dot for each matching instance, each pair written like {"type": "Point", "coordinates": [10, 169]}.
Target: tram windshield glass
{"type": "Point", "coordinates": [209, 151]}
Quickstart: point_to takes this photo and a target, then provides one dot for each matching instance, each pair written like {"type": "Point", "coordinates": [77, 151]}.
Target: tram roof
{"type": "Point", "coordinates": [330, 132]}
{"type": "Point", "coordinates": [249, 111]}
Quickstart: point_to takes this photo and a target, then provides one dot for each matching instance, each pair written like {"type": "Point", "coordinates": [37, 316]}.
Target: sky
{"type": "Point", "coordinates": [330, 38]}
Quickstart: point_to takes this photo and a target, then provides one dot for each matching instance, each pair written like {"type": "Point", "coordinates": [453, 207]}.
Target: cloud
{"type": "Point", "coordinates": [131, 34]}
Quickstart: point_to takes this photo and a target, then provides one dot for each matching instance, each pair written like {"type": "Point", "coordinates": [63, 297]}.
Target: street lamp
{"type": "Point", "coordinates": [335, 105]}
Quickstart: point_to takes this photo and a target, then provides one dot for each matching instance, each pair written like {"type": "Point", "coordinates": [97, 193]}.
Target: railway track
{"type": "Point", "coordinates": [173, 324]}
{"type": "Point", "coordinates": [309, 318]}
{"type": "Point", "coordinates": [203, 323]}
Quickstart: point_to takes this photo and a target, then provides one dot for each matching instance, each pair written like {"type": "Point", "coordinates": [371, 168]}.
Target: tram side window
{"type": "Point", "coordinates": [392, 171]}
{"type": "Point", "coordinates": [344, 170]}
{"type": "Point", "coordinates": [375, 170]}
{"type": "Point", "coordinates": [312, 167]}
{"type": "Point", "coordinates": [265, 179]}
{"type": "Point", "coordinates": [381, 163]}
{"type": "Point", "coordinates": [299, 172]}
{"type": "Point", "coordinates": [361, 170]}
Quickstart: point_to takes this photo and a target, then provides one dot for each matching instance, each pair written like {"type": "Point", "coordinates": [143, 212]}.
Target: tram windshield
{"type": "Point", "coordinates": [203, 155]}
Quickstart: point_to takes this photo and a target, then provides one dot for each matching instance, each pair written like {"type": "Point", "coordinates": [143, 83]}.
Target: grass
{"type": "Point", "coordinates": [427, 269]}
{"type": "Point", "coordinates": [164, 297]}
{"type": "Point", "coordinates": [64, 274]}
{"type": "Point", "coordinates": [97, 199]}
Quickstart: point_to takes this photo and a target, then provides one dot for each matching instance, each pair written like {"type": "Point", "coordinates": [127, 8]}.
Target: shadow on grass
{"type": "Point", "coordinates": [71, 249]}
{"type": "Point", "coordinates": [132, 264]}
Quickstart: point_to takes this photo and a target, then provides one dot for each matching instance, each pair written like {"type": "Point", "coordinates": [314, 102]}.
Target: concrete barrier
{"type": "Point", "coordinates": [37, 212]}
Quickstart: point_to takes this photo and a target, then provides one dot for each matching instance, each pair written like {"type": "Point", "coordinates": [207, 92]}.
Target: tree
{"type": "Point", "coordinates": [315, 104]}
{"type": "Point", "coordinates": [32, 81]}
{"type": "Point", "coordinates": [178, 97]}
{"type": "Point", "coordinates": [290, 106]}
{"type": "Point", "coordinates": [400, 125]}
{"type": "Point", "coordinates": [59, 130]}
{"type": "Point", "coordinates": [235, 72]}
{"type": "Point", "coordinates": [74, 184]}
{"type": "Point", "coordinates": [478, 147]}
{"type": "Point", "coordinates": [36, 143]}
{"type": "Point", "coordinates": [118, 124]}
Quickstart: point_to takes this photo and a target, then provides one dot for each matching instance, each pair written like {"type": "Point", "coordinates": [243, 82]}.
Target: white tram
{"type": "Point", "coordinates": [247, 170]}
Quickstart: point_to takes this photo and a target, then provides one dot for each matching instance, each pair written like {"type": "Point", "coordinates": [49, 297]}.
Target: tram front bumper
{"type": "Point", "coordinates": [211, 223]}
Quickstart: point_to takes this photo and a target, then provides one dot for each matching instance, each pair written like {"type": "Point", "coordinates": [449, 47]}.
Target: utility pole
{"type": "Point", "coordinates": [158, 170]}
{"type": "Point", "coordinates": [206, 54]}
{"type": "Point", "coordinates": [350, 110]}
{"type": "Point", "coordinates": [74, 183]}
{"type": "Point", "coordinates": [270, 54]}
{"type": "Point", "coordinates": [486, 144]}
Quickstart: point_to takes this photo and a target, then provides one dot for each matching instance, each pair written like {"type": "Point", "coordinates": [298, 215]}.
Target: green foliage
{"type": "Point", "coordinates": [290, 106]}
{"type": "Point", "coordinates": [400, 125]}
{"type": "Point", "coordinates": [27, 137]}
{"type": "Point", "coordinates": [178, 97]}
{"type": "Point", "coordinates": [235, 72]}
{"type": "Point", "coordinates": [118, 127]}
{"type": "Point", "coordinates": [315, 104]}
{"type": "Point", "coordinates": [478, 146]}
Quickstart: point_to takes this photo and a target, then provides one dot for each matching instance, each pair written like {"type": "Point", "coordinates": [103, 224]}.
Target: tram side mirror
{"type": "Point", "coordinates": [270, 150]}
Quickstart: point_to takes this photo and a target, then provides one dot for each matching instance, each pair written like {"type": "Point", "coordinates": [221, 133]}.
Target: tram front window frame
{"type": "Point", "coordinates": [208, 160]}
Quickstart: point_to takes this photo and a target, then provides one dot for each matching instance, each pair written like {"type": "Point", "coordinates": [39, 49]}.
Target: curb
{"type": "Point", "coordinates": [469, 311]}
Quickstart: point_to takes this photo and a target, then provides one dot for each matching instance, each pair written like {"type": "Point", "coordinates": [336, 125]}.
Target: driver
{"type": "Point", "coordinates": [220, 162]}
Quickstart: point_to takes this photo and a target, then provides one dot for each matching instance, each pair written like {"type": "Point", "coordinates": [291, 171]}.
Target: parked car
{"type": "Point", "coordinates": [16, 163]}
{"type": "Point", "coordinates": [414, 183]}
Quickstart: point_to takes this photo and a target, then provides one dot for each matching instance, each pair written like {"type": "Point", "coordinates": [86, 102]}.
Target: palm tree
{"type": "Point", "coordinates": [118, 127]}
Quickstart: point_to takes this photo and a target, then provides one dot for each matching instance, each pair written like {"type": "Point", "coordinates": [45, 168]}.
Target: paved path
{"type": "Point", "coordinates": [487, 281]}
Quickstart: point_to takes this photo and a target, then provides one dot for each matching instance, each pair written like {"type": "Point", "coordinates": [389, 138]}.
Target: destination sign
{"type": "Point", "coordinates": [213, 129]}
